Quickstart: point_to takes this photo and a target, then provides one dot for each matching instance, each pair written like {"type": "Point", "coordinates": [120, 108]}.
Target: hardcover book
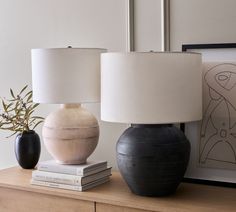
{"type": "Point", "coordinates": [69, 179]}
{"type": "Point", "coordinates": [89, 168]}
{"type": "Point", "coordinates": [70, 187]}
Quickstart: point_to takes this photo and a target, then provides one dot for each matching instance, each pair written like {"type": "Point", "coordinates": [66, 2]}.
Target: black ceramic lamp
{"type": "Point", "coordinates": [151, 91]}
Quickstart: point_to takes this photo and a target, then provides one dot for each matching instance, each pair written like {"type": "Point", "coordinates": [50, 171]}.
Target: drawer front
{"type": "Point", "coordinates": [12, 200]}
{"type": "Point", "coordinates": [100, 207]}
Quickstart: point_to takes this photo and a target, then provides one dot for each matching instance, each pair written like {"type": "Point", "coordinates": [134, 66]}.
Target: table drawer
{"type": "Point", "coordinates": [12, 200]}
{"type": "Point", "coordinates": [100, 207]}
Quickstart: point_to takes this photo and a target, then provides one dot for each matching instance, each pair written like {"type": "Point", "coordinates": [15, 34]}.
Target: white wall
{"type": "Point", "coordinates": [202, 21]}
{"type": "Point", "coordinates": [28, 24]}
{"type": "Point", "coordinates": [147, 25]}
{"type": "Point", "coordinates": [192, 21]}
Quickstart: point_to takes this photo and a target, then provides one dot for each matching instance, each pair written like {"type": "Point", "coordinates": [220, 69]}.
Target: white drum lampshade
{"type": "Point", "coordinates": [151, 91]}
{"type": "Point", "coordinates": [68, 76]}
{"type": "Point", "coordinates": [151, 87]}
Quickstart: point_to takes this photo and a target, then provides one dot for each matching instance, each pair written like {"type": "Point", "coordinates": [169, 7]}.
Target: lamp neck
{"type": "Point", "coordinates": [70, 105]}
{"type": "Point", "coordinates": [151, 125]}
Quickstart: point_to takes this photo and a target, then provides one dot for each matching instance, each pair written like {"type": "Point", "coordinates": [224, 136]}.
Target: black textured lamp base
{"type": "Point", "coordinates": [153, 158]}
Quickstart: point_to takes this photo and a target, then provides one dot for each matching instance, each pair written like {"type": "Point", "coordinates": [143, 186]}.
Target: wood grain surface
{"type": "Point", "coordinates": [189, 197]}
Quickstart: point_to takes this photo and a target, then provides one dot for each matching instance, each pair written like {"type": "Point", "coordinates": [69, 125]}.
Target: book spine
{"type": "Point", "coordinates": [79, 172]}
{"type": "Point", "coordinates": [57, 185]}
{"type": "Point", "coordinates": [70, 170]}
{"type": "Point", "coordinates": [70, 187]}
{"type": "Point", "coordinates": [57, 178]}
{"type": "Point", "coordinates": [58, 169]}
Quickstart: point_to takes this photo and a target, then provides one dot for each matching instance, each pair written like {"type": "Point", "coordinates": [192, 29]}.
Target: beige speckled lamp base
{"type": "Point", "coordinates": [70, 134]}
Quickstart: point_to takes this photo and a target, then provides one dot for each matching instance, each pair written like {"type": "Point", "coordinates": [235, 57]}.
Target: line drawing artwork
{"type": "Point", "coordinates": [217, 146]}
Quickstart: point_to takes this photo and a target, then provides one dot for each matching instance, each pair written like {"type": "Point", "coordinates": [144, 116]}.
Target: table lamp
{"type": "Point", "coordinates": [151, 91]}
{"type": "Point", "coordinates": [68, 76]}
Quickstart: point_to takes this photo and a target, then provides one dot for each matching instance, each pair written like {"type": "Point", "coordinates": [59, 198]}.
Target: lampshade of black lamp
{"type": "Point", "coordinates": [151, 91]}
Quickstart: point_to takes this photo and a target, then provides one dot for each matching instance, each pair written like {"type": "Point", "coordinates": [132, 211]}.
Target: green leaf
{"type": "Point", "coordinates": [12, 109]}
{"type": "Point", "coordinates": [34, 106]}
{"type": "Point", "coordinates": [7, 128]}
{"type": "Point", "coordinates": [12, 134]}
{"type": "Point", "coordinates": [37, 124]}
{"type": "Point", "coordinates": [27, 94]}
{"type": "Point", "coordinates": [17, 111]}
{"type": "Point", "coordinates": [23, 89]}
{"type": "Point", "coordinates": [12, 94]}
{"type": "Point", "coordinates": [29, 97]}
{"type": "Point", "coordinates": [11, 100]}
{"type": "Point", "coordinates": [37, 117]}
{"type": "Point", "coordinates": [4, 106]}
{"type": "Point", "coordinates": [9, 105]}
{"type": "Point", "coordinates": [30, 113]}
{"type": "Point", "coordinates": [32, 121]}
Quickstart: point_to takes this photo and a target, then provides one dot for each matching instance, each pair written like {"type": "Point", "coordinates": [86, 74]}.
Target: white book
{"type": "Point", "coordinates": [89, 168]}
{"type": "Point", "coordinates": [70, 187]}
{"type": "Point", "coordinates": [69, 179]}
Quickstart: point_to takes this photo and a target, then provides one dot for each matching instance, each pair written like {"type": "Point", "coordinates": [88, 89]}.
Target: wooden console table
{"type": "Point", "coordinates": [17, 195]}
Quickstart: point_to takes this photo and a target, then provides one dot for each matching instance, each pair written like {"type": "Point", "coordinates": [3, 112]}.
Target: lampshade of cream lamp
{"type": "Point", "coordinates": [68, 76]}
{"type": "Point", "coordinates": [152, 91]}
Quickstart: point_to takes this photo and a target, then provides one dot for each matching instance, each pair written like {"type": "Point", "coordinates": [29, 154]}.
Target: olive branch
{"type": "Point", "coordinates": [17, 113]}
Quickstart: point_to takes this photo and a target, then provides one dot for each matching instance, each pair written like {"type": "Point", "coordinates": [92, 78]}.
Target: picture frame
{"type": "Point", "coordinates": [206, 168]}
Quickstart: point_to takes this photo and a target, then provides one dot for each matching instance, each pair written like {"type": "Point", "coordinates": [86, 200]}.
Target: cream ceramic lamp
{"type": "Point", "coordinates": [151, 91]}
{"type": "Point", "coordinates": [68, 76]}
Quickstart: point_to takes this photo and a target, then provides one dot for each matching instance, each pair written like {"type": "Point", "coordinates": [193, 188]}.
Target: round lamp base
{"type": "Point", "coordinates": [70, 134]}
{"type": "Point", "coordinates": [153, 158]}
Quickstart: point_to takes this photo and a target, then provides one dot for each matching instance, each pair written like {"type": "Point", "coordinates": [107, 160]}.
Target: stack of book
{"type": "Point", "coordinates": [72, 177]}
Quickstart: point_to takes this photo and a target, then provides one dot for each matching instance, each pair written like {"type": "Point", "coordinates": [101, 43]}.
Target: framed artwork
{"type": "Point", "coordinates": [213, 139]}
